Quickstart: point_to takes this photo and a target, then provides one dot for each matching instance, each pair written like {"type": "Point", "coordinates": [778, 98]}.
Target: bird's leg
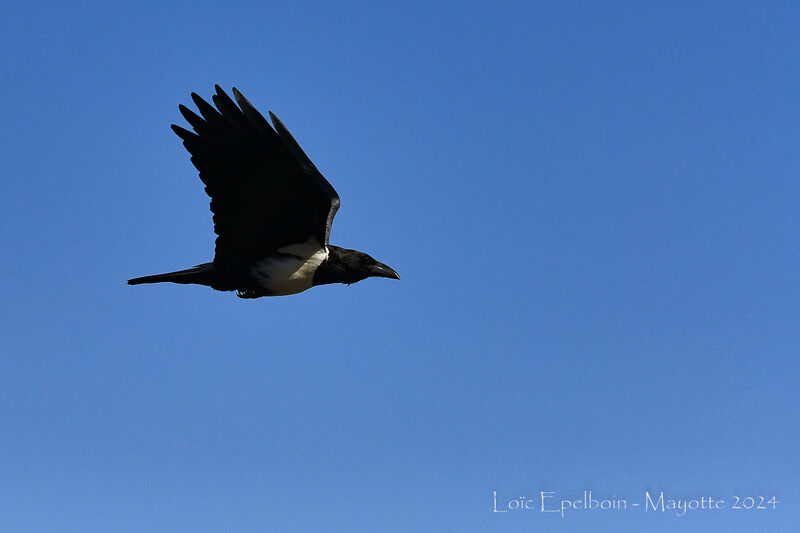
{"type": "Point", "coordinates": [249, 293]}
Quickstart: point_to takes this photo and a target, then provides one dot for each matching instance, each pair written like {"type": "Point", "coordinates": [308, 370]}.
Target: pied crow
{"type": "Point", "coordinates": [272, 208]}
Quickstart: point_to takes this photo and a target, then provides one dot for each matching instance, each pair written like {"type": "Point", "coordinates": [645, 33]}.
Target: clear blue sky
{"type": "Point", "coordinates": [593, 205]}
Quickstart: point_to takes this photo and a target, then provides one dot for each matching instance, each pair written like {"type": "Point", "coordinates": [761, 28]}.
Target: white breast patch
{"type": "Point", "coordinates": [292, 269]}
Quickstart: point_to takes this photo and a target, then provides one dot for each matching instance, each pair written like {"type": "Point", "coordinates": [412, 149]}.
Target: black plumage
{"type": "Point", "coordinates": [272, 208]}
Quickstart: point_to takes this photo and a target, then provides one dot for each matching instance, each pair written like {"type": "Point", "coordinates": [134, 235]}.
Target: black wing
{"type": "Point", "coordinates": [265, 192]}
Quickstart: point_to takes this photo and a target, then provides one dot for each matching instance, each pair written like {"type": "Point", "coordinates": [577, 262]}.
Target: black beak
{"type": "Point", "coordinates": [382, 271]}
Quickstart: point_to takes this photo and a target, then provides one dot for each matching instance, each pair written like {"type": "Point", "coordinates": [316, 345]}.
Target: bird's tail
{"type": "Point", "coordinates": [200, 274]}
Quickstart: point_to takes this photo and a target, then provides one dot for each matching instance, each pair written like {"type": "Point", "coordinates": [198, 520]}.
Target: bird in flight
{"type": "Point", "coordinates": [273, 209]}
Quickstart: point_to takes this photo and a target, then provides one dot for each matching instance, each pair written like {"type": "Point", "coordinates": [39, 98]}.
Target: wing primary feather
{"type": "Point", "coordinates": [214, 118]}
{"type": "Point", "coordinates": [204, 153]}
{"type": "Point", "coordinates": [304, 161]}
{"type": "Point", "coordinates": [195, 121]}
{"type": "Point", "coordinates": [208, 112]}
{"type": "Point", "coordinates": [203, 128]}
{"type": "Point", "coordinates": [252, 114]}
{"type": "Point", "coordinates": [229, 110]}
{"type": "Point", "coordinates": [182, 133]}
{"type": "Point", "coordinates": [292, 144]}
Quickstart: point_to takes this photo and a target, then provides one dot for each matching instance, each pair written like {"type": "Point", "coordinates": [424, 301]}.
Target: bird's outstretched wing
{"type": "Point", "coordinates": [265, 192]}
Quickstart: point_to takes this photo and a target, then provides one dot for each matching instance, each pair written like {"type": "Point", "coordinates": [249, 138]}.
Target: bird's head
{"type": "Point", "coordinates": [351, 266]}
